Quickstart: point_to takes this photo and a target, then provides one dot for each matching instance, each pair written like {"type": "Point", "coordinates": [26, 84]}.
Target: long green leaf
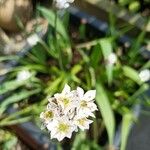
{"type": "Point", "coordinates": [80, 137]}
{"type": "Point", "coordinates": [95, 56]}
{"type": "Point", "coordinates": [39, 54]}
{"type": "Point", "coordinates": [132, 74]}
{"type": "Point", "coordinates": [53, 86]}
{"type": "Point", "coordinates": [126, 124]}
{"type": "Point", "coordinates": [106, 111]}
{"type": "Point", "coordinates": [10, 57]}
{"type": "Point", "coordinates": [50, 16]}
{"type": "Point", "coordinates": [16, 98]}
{"type": "Point", "coordinates": [106, 48]}
{"type": "Point", "coordinates": [10, 85]}
{"type": "Point", "coordinates": [16, 121]}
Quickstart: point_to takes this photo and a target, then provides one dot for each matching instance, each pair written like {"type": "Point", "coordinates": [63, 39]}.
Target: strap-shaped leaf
{"type": "Point", "coordinates": [132, 74]}
{"type": "Point", "coordinates": [16, 98]}
{"type": "Point", "coordinates": [10, 86]}
{"type": "Point", "coordinates": [126, 124]}
{"type": "Point", "coordinates": [50, 16]}
{"type": "Point", "coordinates": [106, 111]}
{"type": "Point", "coordinates": [106, 48]}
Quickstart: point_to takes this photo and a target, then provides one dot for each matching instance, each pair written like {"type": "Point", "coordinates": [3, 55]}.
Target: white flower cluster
{"type": "Point", "coordinates": [68, 111]}
{"type": "Point", "coordinates": [62, 4]}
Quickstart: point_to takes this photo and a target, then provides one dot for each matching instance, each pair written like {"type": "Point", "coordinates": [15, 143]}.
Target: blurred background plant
{"type": "Point", "coordinates": [71, 54]}
{"type": "Point", "coordinates": [135, 5]}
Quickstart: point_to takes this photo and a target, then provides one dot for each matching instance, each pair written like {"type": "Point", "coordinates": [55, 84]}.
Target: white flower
{"type": "Point", "coordinates": [67, 99]}
{"type": "Point", "coordinates": [47, 116]}
{"type": "Point", "coordinates": [67, 111]}
{"type": "Point", "coordinates": [50, 113]}
{"type": "Point", "coordinates": [86, 102]}
{"type": "Point", "coordinates": [61, 128]}
{"type": "Point", "coordinates": [23, 75]}
{"type": "Point", "coordinates": [82, 123]}
{"type": "Point", "coordinates": [62, 4]}
{"type": "Point", "coordinates": [144, 75]}
{"type": "Point", "coordinates": [112, 58]}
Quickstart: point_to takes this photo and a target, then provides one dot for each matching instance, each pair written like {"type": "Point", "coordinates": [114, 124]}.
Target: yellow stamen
{"type": "Point", "coordinates": [66, 101]}
{"type": "Point", "coordinates": [81, 121]}
{"type": "Point", "coordinates": [83, 104]}
{"type": "Point", "coordinates": [63, 127]}
{"type": "Point", "coordinates": [49, 114]}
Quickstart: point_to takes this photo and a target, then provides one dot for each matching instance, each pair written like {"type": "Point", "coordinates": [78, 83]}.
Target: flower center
{"type": "Point", "coordinates": [49, 114]}
{"type": "Point", "coordinates": [81, 121]}
{"type": "Point", "coordinates": [66, 101]}
{"type": "Point", "coordinates": [83, 104]}
{"type": "Point", "coordinates": [63, 127]}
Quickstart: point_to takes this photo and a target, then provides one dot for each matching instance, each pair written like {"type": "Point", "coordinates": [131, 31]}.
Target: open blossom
{"type": "Point", "coordinates": [23, 75]}
{"type": "Point", "coordinates": [144, 75]}
{"type": "Point", "coordinates": [86, 102]}
{"type": "Point", "coordinates": [61, 127]}
{"type": "Point", "coordinates": [83, 123]}
{"type": "Point", "coordinates": [67, 111]}
{"type": "Point", "coordinates": [62, 4]}
{"type": "Point", "coordinates": [112, 58]}
{"type": "Point", "coordinates": [67, 99]}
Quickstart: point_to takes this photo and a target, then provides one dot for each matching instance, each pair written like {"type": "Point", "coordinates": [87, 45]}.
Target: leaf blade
{"type": "Point", "coordinates": [106, 111]}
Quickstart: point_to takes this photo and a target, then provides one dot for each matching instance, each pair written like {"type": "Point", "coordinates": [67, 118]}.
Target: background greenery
{"type": "Point", "coordinates": [81, 62]}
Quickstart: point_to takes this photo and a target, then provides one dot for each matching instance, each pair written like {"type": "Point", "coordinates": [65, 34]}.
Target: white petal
{"type": "Point", "coordinates": [51, 125]}
{"type": "Point", "coordinates": [92, 106]}
{"type": "Point", "coordinates": [51, 106]}
{"type": "Point", "coordinates": [53, 134]}
{"type": "Point", "coordinates": [144, 75]}
{"type": "Point", "coordinates": [60, 137]}
{"type": "Point", "coordinates": [69, 135]}
{"type": "Point", "coordinates": [112, 58]}
{"type": "Point", "coordinates": [57, 96]}
{"type": "Point", "coordinates": [80, 92]}
{"type": "Point", "coordinates": [42, 115]}
{"type": "Point", "coordinates": [66, 89]}
{"type": "Point", "coordinates": [92, 115]}
{"type": "Point", "coordinates": [51, 99]}
{"type": "Point", "coordinates": [90, 95]}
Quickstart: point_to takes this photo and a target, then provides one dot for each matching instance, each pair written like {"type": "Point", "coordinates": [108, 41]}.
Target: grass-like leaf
{"type": "Point", "coordinates": [16, 98]}
{"type": "Point", "coordinates": [50, 16]}
{"type": "Point", "coordinates": [10, 85]}
{"type": "Point", "coordinates": [17, 121]}
{"type": "Point", "coordinates": [106, 48]}
{"type": "Point", "coordinates": [126, 124]}
{"type": "Point", "coordinates": [132, 74]}
{"type": "Point", "coordinates": [95, 56]}
{"type": "Point", "coordinates": [106, 111]}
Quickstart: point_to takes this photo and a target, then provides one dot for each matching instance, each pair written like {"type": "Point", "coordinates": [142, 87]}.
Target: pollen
{"type": "Point", "coordinates": [81, 121]}
{"type": "Point", "coordinates": [83, 104]}
{"type": "Point", "coordinates": [66, 101]}
{"type": "Point", "coordinates": [63, 127]}
{"type": "Point", "coordinates": [49, 114]}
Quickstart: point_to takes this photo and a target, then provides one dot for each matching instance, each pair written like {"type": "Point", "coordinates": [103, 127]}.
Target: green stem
{"type": "Point", "coordinates": [56, 44]}
{"type": "Point", "coordinates": [55, 24]}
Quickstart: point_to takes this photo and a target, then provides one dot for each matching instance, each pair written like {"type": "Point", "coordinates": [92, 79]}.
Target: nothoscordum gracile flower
{"type": "Point", "coordinates": [61, 127]}
{"type": "Point", "coordinates": [82, 123]}
{"type": "Point", "coordinates": [86, 102]}
{"type": "Point", "coordinates": [62, 4]}
{"type": "Point", "coordinates": [23, 75]}
{"type": "Point", "coordinates": [67, 99]}
{"type": "Point", "coordinates": [67, 111]}
{"type": "Point", "coordinates": [112, 59]}
{"type": "Point", "coordinates": [144, 75]}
